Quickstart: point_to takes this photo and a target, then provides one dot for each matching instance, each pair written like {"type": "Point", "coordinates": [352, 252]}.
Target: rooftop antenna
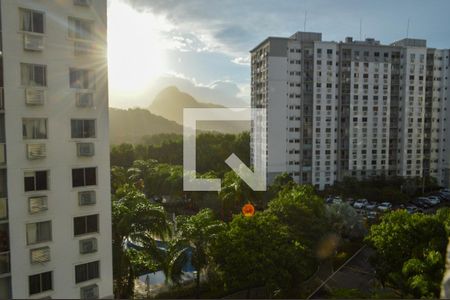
{"type": "Point", "coordinates": [407, 30]}
{"type": "Point", "coordinates": [360, 29]}
{"type": "Point", "coordinates": [304, 22]}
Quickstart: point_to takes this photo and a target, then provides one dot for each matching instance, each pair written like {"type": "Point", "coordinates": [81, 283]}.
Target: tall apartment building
{"type": "Point", "coordinates": [353, 108]}
{"type": "Point", "coordinates": [55, 214]}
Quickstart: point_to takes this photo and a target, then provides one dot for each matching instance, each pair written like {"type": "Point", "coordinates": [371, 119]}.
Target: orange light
{"type": "Point", "coordinates": [248, 210]}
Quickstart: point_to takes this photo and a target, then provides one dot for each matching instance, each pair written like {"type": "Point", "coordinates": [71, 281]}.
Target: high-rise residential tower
{"type": "Point", "coordinates": [55, 208]}
{"type": "Point", "coordinates": [353, 108]}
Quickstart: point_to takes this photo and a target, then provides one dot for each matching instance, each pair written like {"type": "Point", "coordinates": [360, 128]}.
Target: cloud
{"type": "Point", "coordinates": [223, 92]}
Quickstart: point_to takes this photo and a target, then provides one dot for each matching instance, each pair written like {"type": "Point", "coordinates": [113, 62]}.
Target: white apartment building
{"type": "Point", "coordinates": [55, 208]}
{"type": "Point", "coordinates": [352, 108]}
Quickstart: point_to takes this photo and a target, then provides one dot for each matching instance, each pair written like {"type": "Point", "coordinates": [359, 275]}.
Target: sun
{"type": "Point", "coordinates": [136, 54]}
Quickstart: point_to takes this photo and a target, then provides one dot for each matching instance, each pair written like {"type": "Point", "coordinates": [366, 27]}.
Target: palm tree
{"type": "Point", "coordinates": [199, 231]}
{"type": "Point", "coordinates": [135, 219]}
{"type": "Point", "coordinates": [234, 193]}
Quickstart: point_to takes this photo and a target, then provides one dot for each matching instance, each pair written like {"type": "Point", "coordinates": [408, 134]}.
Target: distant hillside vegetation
{"type": "Point", "coordinates": [132, 125]}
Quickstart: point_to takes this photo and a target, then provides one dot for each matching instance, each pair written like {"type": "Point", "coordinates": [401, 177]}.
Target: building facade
{"type": "Point", "coordinates": [55, 208]}
{"type": "Point", "coordinates": [352, 108]}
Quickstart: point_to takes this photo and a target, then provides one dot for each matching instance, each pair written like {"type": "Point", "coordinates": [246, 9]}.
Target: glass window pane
{"type": "Point", "coordinates": [46, 280]}
{"type": "Point", "coordinates": [25, 20]}
{"type": "Point", "coordinates": [34, 283]}
{"type": "Point", "coordinates": [4, 237]}
{"type": "Point", "coordinates": [80, 273]}
{"type": "Point", "coordinates": [91, 176]}
{"type": "Point", "coordinates": [29, 183]}
{"type": "Point", "coordinates": [89, 128]}
{"type": "Point", "coordinates": [39, 75]}
{"type": "Point", "coordinates": [78, 177]}
{"type": "Point", "coordinates": [3, 209]}
{"type": "Point", "coordinates": [44, 231]}
{"type": "Point", "coordinates": [79, 225]}
{"type": "Point", "coordinates": [31, 233]}
{"type": "Point", "coordinates": [38, 22]}
{"type": "Point", "coordinates": [77, 128]}
{"type": "Point", "coordinates": [41, 180]}
{"type": "Point", "coordinates": [92, 223]}
{"type": "Point", "coordinates": [93, 270]}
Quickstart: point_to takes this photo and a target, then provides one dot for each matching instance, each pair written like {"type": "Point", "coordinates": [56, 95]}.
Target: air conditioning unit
{"type": "Point", "coordinates": [36, 151]}
{"type": "Point", "coordinates": [89, 292]}
{"type": "Point", "coordinates": [40, 255]}
{"type": "Point", "coordinates": [33, 42]}
{"type": "Point", "coordinates": [86, 198]}
{"type": "Point", "coordinates": [2, 153]}
{"type": "Point", "coordinates": [34, 96]}
{"type": "Point", "coordinates": [83, 48]}
{"type": "Point", "coordinates": [82, 2]}
{"type": "Point", "coordinates": [85, 149]}
{"type": "Point", "coordinates": [37, 204]}
{"type": "Point", "coordinates": [88, 245]}
{"type": "Point", "coordinates": [85, 99]}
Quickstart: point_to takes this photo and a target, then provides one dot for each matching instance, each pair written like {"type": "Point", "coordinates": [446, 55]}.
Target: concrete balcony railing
{"type": "Point", "coordinates": [445, 290]}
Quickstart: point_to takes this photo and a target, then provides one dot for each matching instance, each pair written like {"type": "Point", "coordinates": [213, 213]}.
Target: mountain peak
{"type": "Point", "coordinates": [170, 102]}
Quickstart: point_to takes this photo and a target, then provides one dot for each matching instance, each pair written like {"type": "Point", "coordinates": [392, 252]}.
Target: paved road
{"type": "Point", "coordinates": [356, 274]}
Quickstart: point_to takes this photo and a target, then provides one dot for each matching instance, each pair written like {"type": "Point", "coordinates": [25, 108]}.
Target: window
{"type": "Point", "coordinates": [84, 177]}
{"type": "Point", "coordinates": [33, 75]}
{"type": "Point", "coordinates": [80, 29]}
{"type": "Point", "coordinates": [31, 21]}
{"type": "Point", "coordinates": [39, 232]}
{"type": "Point", "coordinates": [3, 209]}
{"type": "Point", "coordinates": [85, 272]}
{"type": "Point", "coordinates": [34, 129]}
{"type": "Point", "coordinates": [40, 283]}
{"type": "Point", "coordinates": [81, 78]}
{"type": "Point", "coordinates": [36, 181]}
{"type": "Point", "coordinates": [83, 129]}
{"type": "Point", "coordinates": [85, 224]}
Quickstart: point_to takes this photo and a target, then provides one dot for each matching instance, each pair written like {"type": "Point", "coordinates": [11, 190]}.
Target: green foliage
{"type": "Point", "coordinates": [259, 250]}
{"type": "Point", "coordinates": [409, 252]}
{"type": "Point", "coordinates": [299, 208]}
{"type": "Point", "coordinates": [345, 221]}
{"type": "Point", "coordinates": [133, 218]}
{"type": "Point", "coordinates": [212, 150]}
{"type": "Point", "coordinates": [199, 231]}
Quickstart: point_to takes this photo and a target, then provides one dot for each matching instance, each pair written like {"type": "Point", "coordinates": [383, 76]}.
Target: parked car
{"type": "Point", "coordinates": [385, 206]}
{"type": "Point", "coordinates": [445, 195]}
{"type": "Point", "coordinates": [421, 202]}
{"type": "Point", "coordinates": [433, 200]}
{"type": "Point", "coordinates": [372, 215]}
{"type": "Point", "coordinates": [360, 203]}
{"type": "Point", "coordinates": [337, 200]}
{"type": "Point", "coordinates": [412, 209]}
{"type": "Point", "coordinates": [371, 205]}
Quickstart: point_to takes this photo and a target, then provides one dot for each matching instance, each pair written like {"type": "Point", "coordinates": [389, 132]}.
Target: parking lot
{"type": "Point", "coordinates": [372, 210]}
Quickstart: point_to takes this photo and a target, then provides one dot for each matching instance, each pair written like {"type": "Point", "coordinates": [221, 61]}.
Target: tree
{"type": "Point", "coordinates": [260, 251]}
{"type": "Point", "coordinates": [199, 231]}
{"type": "Point", "coordinates": [234, 193]}
{"type": "Point", "coordinates": [299, 208]}
{"type": "Point", "coordinates": [345, 221]}
{"type": "Point", "coordinates": [135, 219]}
{"type": "Point", "coordinates": [409, 252]}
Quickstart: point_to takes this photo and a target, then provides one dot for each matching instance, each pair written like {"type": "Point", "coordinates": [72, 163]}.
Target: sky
{"type": "Point", "coordinates": [202, 46]}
